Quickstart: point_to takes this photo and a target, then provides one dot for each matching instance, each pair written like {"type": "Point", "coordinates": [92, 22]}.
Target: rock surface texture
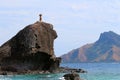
{"type": "Point", "coordinates": [30, 49]}
{"type": "Point", "coordinates": [72, 76]}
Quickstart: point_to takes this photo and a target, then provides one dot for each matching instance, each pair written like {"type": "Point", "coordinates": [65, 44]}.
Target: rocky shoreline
{"type": "Point", "coordinates": [31, 51]}
{"type": "Point", "coordinates": [60, 70]}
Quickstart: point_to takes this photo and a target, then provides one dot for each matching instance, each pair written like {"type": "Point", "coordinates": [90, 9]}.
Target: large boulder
{"type": "Point", "coordinates": [31, 49]}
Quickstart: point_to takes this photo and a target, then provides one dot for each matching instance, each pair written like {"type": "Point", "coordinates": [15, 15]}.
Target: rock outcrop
{"type": "Point", "coordinates": [69, 70]}
{"type": "Point", "coordinates": [30, 50]}
{"type": "Point", "coordinates": [72, 76]}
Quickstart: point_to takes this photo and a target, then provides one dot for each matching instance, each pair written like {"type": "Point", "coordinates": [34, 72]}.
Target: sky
{"type": "Point", "coordinates": [77, 22]}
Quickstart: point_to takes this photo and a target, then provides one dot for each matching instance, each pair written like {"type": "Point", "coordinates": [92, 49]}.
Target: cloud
{"type": "Point", "coordinates": [78, 7]}
{"type": "Point", "coordinates": [17, 3]}
{"type": "Point", "coordinates": [19, 12]}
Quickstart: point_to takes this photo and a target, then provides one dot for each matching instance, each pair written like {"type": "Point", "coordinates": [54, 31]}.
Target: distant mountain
{"type": "Point", "coordinates": [105, 49]}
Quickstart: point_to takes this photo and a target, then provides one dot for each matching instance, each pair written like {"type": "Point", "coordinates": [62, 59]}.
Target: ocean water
{"type": "Point", "coordinates": [96, 71]}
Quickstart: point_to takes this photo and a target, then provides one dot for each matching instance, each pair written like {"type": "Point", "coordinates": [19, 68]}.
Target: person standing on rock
{"type": "Point", "coordinates": [40, 17]}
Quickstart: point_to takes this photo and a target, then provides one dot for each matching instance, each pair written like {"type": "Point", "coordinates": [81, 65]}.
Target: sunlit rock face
{"type": "Point", "coordinates": [30, 49]}
{"type": "Point", "coordinates": [105, 49]}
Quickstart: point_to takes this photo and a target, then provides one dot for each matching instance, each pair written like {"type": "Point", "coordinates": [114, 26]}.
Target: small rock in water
{"type": "Point", "coordinates": [72, 76]}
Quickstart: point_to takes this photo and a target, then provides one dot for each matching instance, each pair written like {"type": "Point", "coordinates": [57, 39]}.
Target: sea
{"type": "Point", "coordinates": [95, 71]}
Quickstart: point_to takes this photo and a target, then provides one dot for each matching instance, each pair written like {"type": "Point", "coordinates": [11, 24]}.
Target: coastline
{"type": "Point", "coordinates": [60, 70]}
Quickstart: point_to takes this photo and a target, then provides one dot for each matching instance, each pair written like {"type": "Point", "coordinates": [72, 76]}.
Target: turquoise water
{"type": "Point", "coordinates": [96, 71]}
{"type": "Point", "coordinates": [32, 77]}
